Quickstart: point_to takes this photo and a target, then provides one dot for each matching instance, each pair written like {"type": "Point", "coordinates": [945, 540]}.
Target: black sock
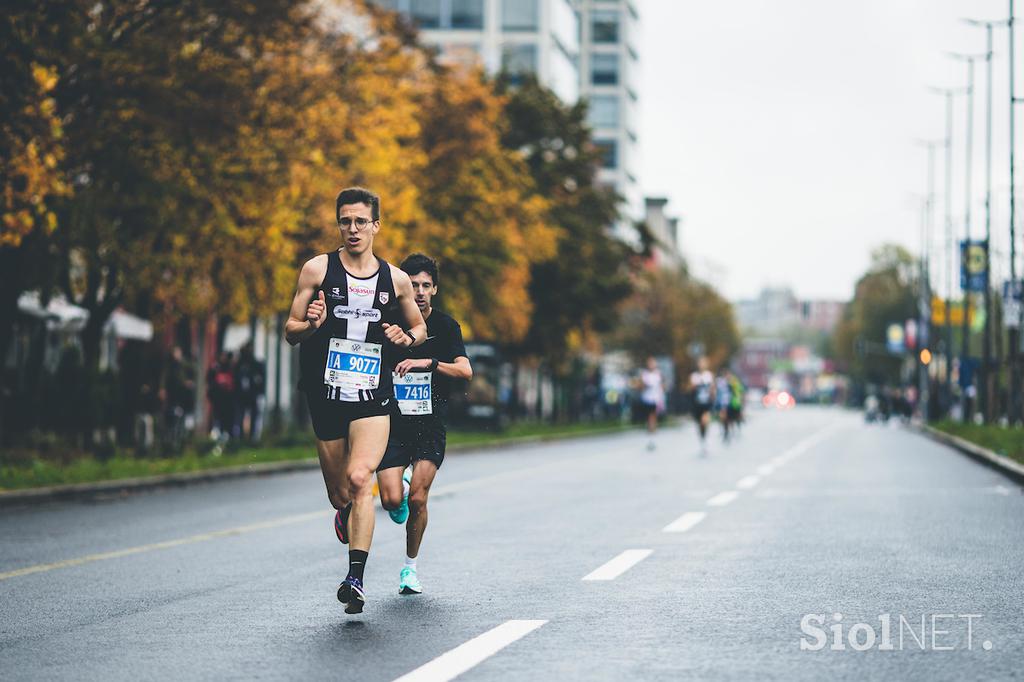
{"type": "Point", "coordinates": [356, 563]}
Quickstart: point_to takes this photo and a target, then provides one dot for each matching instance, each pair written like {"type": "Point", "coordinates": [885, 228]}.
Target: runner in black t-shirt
{"type": "Point", "coordinates": [423, 382]}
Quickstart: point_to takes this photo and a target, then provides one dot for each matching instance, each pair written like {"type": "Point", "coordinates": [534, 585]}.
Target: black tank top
{"type": "Point", "coordinates": [351, 340]}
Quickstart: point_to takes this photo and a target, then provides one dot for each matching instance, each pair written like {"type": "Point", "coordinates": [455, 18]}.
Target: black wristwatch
{"type": "Point", "coordinates": [411, 336]}
{"type": "Point", "coordinates": [433, 364]}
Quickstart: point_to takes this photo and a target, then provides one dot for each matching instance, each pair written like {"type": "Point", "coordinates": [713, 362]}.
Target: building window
{"type": "Point", "coordinates": [604, 111]}
{"type": "Point", "coordinates": [518, 60]}
{"type": "Point", "coordinates": [468, 14]}
{"type": "Point", "coordinates": [604, 69]}
{"type": "Point", "coordinates": [605, 26]}
{"type": "Point", "coordinates": [388, 4]}
{"type": "Point", "coordinates": [519, 15]}
{"type": "Point", "coordinates": [426, 13]}
{"type": "Point", "coordinates": [609, 150]}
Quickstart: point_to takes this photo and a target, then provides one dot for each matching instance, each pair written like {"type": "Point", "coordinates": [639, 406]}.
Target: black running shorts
{"type": "Point", "coordinates": [414, 438]}
{"type": "Point", "coordinates": [331, 418]}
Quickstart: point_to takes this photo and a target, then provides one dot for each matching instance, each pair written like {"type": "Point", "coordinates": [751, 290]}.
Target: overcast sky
{"type": "Point", "coordinates": [783, 131]}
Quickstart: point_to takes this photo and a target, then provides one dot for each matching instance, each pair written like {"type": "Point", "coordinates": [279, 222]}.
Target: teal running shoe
{"type": "Point", "coordinates": [402, 513]}
{"type": "Point", "coordinates": [408, 583]}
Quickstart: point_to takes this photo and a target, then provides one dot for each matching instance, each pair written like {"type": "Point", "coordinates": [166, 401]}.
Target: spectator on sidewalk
{"type": "Point", "coordinates": [250, 380]}
{"type": "Point", "coordinates": [220, 389]}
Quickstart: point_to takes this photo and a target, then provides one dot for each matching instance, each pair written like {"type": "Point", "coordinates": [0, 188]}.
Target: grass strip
{"type": "Point", "coordinates": [41, 472]}
{"type": "Point", "coordinates": [1008, 441]}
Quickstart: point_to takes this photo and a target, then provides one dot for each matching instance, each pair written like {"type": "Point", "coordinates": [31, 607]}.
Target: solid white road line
{"type": "Point", "coordinates": [619, 565]}
{"type": "Point", "coordinates": [747, 482]}
{"type": "Point", "coordinates": [450, 665]}
{"type": "Point", "coordinates": [723, 498]}
{"type": "Point", "coordinates": [685, 522]}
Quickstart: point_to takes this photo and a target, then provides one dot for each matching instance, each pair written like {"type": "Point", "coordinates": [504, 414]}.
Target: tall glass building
{"type": "Point", "coordinates": [578, 48]}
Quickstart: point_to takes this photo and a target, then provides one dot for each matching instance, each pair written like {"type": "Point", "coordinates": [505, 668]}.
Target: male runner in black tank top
{"type": "Point", "coordinates": [351, 309]}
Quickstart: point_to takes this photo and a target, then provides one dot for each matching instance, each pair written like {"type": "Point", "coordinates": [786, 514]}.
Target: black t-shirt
{"type": "Point", "coordinates": [444, 342]}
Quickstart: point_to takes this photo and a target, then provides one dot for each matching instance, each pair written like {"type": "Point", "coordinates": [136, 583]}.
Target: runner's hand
{"type": "Point", "coordinates": [316, 313]}
{"type": "Point", "coordinates": [406, 366]}
{"type": "Point", "coordinates": [396, 335]}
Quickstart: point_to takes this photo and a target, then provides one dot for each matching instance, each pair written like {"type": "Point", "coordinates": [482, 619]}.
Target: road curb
{"type": "Point", "coordinates": [1000, 463]}
{"type": "Point", "coordinates": [127, 485]}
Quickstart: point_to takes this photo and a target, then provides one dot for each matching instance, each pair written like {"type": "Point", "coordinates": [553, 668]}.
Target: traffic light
{"type": "Point", "coordinates": [926, 356]}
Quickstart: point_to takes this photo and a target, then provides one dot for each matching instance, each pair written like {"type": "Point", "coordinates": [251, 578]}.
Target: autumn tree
{"type": "Point", "coordinates": [30, 151]}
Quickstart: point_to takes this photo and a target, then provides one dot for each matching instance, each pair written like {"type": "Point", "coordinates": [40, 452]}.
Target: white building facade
{"type": "Point", "coordinates": [578, 48]}
{"type": "Point", "coordinates": [609, 78]}
{"type": "Point", "coordinates": [517, 36]}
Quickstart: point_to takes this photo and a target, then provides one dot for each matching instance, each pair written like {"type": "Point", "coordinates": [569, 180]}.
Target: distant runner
{"type": "Point", "coordinates": [702, 388]}
{"type": "Point", "coordinates": [737, 396]}
{"type": "Point", "coordinates": [652, 397]}
{"type": "Point", "coordinates": [423, 383]}
{"type": "Point", "coordinates": [347, 316]}
{"type": "Point", "coordinates": [723, 397]}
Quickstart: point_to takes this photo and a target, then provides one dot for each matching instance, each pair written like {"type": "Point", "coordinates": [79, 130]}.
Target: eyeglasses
{"type": "Point", "coordinates": [360, 223]}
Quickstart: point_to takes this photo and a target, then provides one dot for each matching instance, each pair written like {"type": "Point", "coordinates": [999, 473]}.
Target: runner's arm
{"type": "Point", "coordinates": [307, 313]}
{"type": "Point", "coordinates": [417, 327]}
{"type": "Point", "coordinates": [458, 369]}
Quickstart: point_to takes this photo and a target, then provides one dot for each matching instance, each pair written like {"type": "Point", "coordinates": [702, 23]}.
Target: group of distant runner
{"type": "Point", "coordinates": [721, 397]}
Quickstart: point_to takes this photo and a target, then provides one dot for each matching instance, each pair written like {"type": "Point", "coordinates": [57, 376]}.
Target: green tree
{"type": "Point", "coordinates": [587, 276]}
{"type": "Point", "coordinates": [884, 295]}
{"type": "Point", "coordinates": [669, 311]}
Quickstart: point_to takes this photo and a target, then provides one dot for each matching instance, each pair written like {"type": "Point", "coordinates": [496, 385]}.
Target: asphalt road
{"type": "Point", "coordinates": [548, 562]}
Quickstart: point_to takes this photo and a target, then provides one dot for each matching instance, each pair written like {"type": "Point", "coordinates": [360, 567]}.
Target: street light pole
{"type": "Point", "coordinates": [965, 333]}
{"type": "Point", "coordinates": [986, 394]}
{"type": "Point", "coordinates": [925, 314]}
{"type": "Point", "coordinates": [1014, 331]}
{"type": "Point", "coordinates": [948, 202]}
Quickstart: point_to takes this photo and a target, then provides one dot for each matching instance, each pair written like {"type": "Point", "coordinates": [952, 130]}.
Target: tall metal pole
{"type": "Point", "coordinates": [925, 313]}
{"type": "Point", "coordinates": [1014, 335]}
{"type": "Point", "coordinates": [965, 333]}
{"type": "Point", "coordinates": [950, 245]}
{"type": "Point", "coordinates": [986, 351]}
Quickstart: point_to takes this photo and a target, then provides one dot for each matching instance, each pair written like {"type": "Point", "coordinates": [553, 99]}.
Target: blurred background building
{"type": "Point", "coordinates": [578, 48]}
{"type": "Point", "coordinates": [664, 230]}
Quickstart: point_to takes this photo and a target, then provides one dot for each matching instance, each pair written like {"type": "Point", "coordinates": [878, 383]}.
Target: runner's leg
{"type": "Point", "coordinates": [389, 481]}
{"type": "Point", "coordinates": [423, 473]}
{"type": "Point", "coordinates": [368, 437]}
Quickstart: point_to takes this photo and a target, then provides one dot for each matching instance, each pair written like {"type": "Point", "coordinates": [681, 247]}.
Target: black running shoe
{"type": "Point", "coordinates": [350, 593]}
{"type": "Point", "coordinates": [341, 523]}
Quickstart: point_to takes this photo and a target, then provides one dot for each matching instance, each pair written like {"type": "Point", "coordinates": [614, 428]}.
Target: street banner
{"type": "Point", "coordinates": [972, 265]}
{"type": "Point", "coordinates": [910, 331]}
{"type": "Point", "coordinates": [1013, 298]}
{"type": "Point", "coordinates": [894, 338]}
{"type": "Point", "coordinates": [956, 313]}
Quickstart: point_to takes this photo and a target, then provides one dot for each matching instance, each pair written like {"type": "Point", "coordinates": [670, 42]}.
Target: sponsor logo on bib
{"type": "Point", "coordinates": [346, 313]}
